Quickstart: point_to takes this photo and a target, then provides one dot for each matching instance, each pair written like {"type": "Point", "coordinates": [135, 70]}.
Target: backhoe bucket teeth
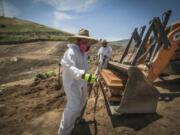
{"type": "Point", "coordinates": [139, 96]}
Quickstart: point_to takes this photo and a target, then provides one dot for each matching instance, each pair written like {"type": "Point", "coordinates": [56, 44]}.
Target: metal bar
{"type": "Point", "coordinates": [155, 47]}
{"type": "Point", "coordinates": [142, 29]}
{"type": "Point", "coordinates": [137, 38]}
{"type": "Point", "coordinates": [126, 50]}
{"type": "Point", "coordinates": [162, 35]}
{"type": "Point", "coordinates": [161, 39]}
{"type": "Point", "coordinates": [159, 35]}
{"type": "Point", "coordinates": [165, 17]}
{"type": "Point", "coordinates": [142, 45]}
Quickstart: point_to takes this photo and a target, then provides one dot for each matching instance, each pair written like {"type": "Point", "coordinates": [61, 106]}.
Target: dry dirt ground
{"type": "Point", "coordinates": [28, 108]}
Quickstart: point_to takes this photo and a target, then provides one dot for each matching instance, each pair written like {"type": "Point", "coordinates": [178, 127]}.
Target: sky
{"type": "Point", "coordinates": [106, 19]}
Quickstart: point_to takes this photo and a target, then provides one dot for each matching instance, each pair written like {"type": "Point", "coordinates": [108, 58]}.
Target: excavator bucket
{"type": "Point", "coordinates": [136, 93]}
{"type": "Point", "coordinates": [140, 96]}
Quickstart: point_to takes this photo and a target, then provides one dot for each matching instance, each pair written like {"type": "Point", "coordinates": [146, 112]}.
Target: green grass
{"type": "Point", "coordinates": [17, 30]}
{"type": "Point", "coordinates": [26, 37]}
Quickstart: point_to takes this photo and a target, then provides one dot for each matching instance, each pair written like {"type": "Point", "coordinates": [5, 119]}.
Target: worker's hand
{"type": "Point", "coordinates": [89, 77]}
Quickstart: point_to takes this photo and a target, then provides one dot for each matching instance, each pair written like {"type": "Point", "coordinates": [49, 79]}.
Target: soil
{"type": "Point", "coordinates": [35, 108]}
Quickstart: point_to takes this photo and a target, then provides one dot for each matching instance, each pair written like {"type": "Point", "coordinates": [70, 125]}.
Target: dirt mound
{"type": "Point", "coordinates": [21, 104]}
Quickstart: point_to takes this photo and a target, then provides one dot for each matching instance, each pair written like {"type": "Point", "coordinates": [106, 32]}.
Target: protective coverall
{"type": "Point", "coordinates": [74, 65]}
{"type": "Point", "coordinates": [104, 52]}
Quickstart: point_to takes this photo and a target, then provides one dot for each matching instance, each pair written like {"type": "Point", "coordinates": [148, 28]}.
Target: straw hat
{"type": "Point", "coordinates": [83, 34]}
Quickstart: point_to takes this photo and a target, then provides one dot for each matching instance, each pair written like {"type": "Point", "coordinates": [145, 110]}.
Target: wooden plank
{"type": "Point", "coordinates": [111, 79]}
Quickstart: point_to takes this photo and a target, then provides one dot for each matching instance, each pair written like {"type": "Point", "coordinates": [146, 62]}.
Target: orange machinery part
{"type": "Point", "coordinates": [165, 55]}
{"type": "Point", "coordinates": [148, 44]}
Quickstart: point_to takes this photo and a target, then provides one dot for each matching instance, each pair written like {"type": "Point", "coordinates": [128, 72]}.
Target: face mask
{"type": "Point", "coordinates": [83, 47]}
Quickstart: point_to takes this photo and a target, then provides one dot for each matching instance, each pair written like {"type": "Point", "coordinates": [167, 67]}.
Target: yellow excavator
{"type": "Point", "coordinates": [127, 87]}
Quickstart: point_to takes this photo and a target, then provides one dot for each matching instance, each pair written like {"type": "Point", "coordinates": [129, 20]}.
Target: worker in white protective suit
{"type": "Point", "coordinates": [75, 78]}
{"type": "Point", "coordinates": [104, 54]}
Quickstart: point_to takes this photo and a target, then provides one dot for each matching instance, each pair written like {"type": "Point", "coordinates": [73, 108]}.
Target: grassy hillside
{"type": "Point", "coordinates": [17, 30]}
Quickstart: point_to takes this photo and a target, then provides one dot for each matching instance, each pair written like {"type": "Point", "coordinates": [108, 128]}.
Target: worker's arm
{"type": "Point", "coordinates": [69, 62]}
